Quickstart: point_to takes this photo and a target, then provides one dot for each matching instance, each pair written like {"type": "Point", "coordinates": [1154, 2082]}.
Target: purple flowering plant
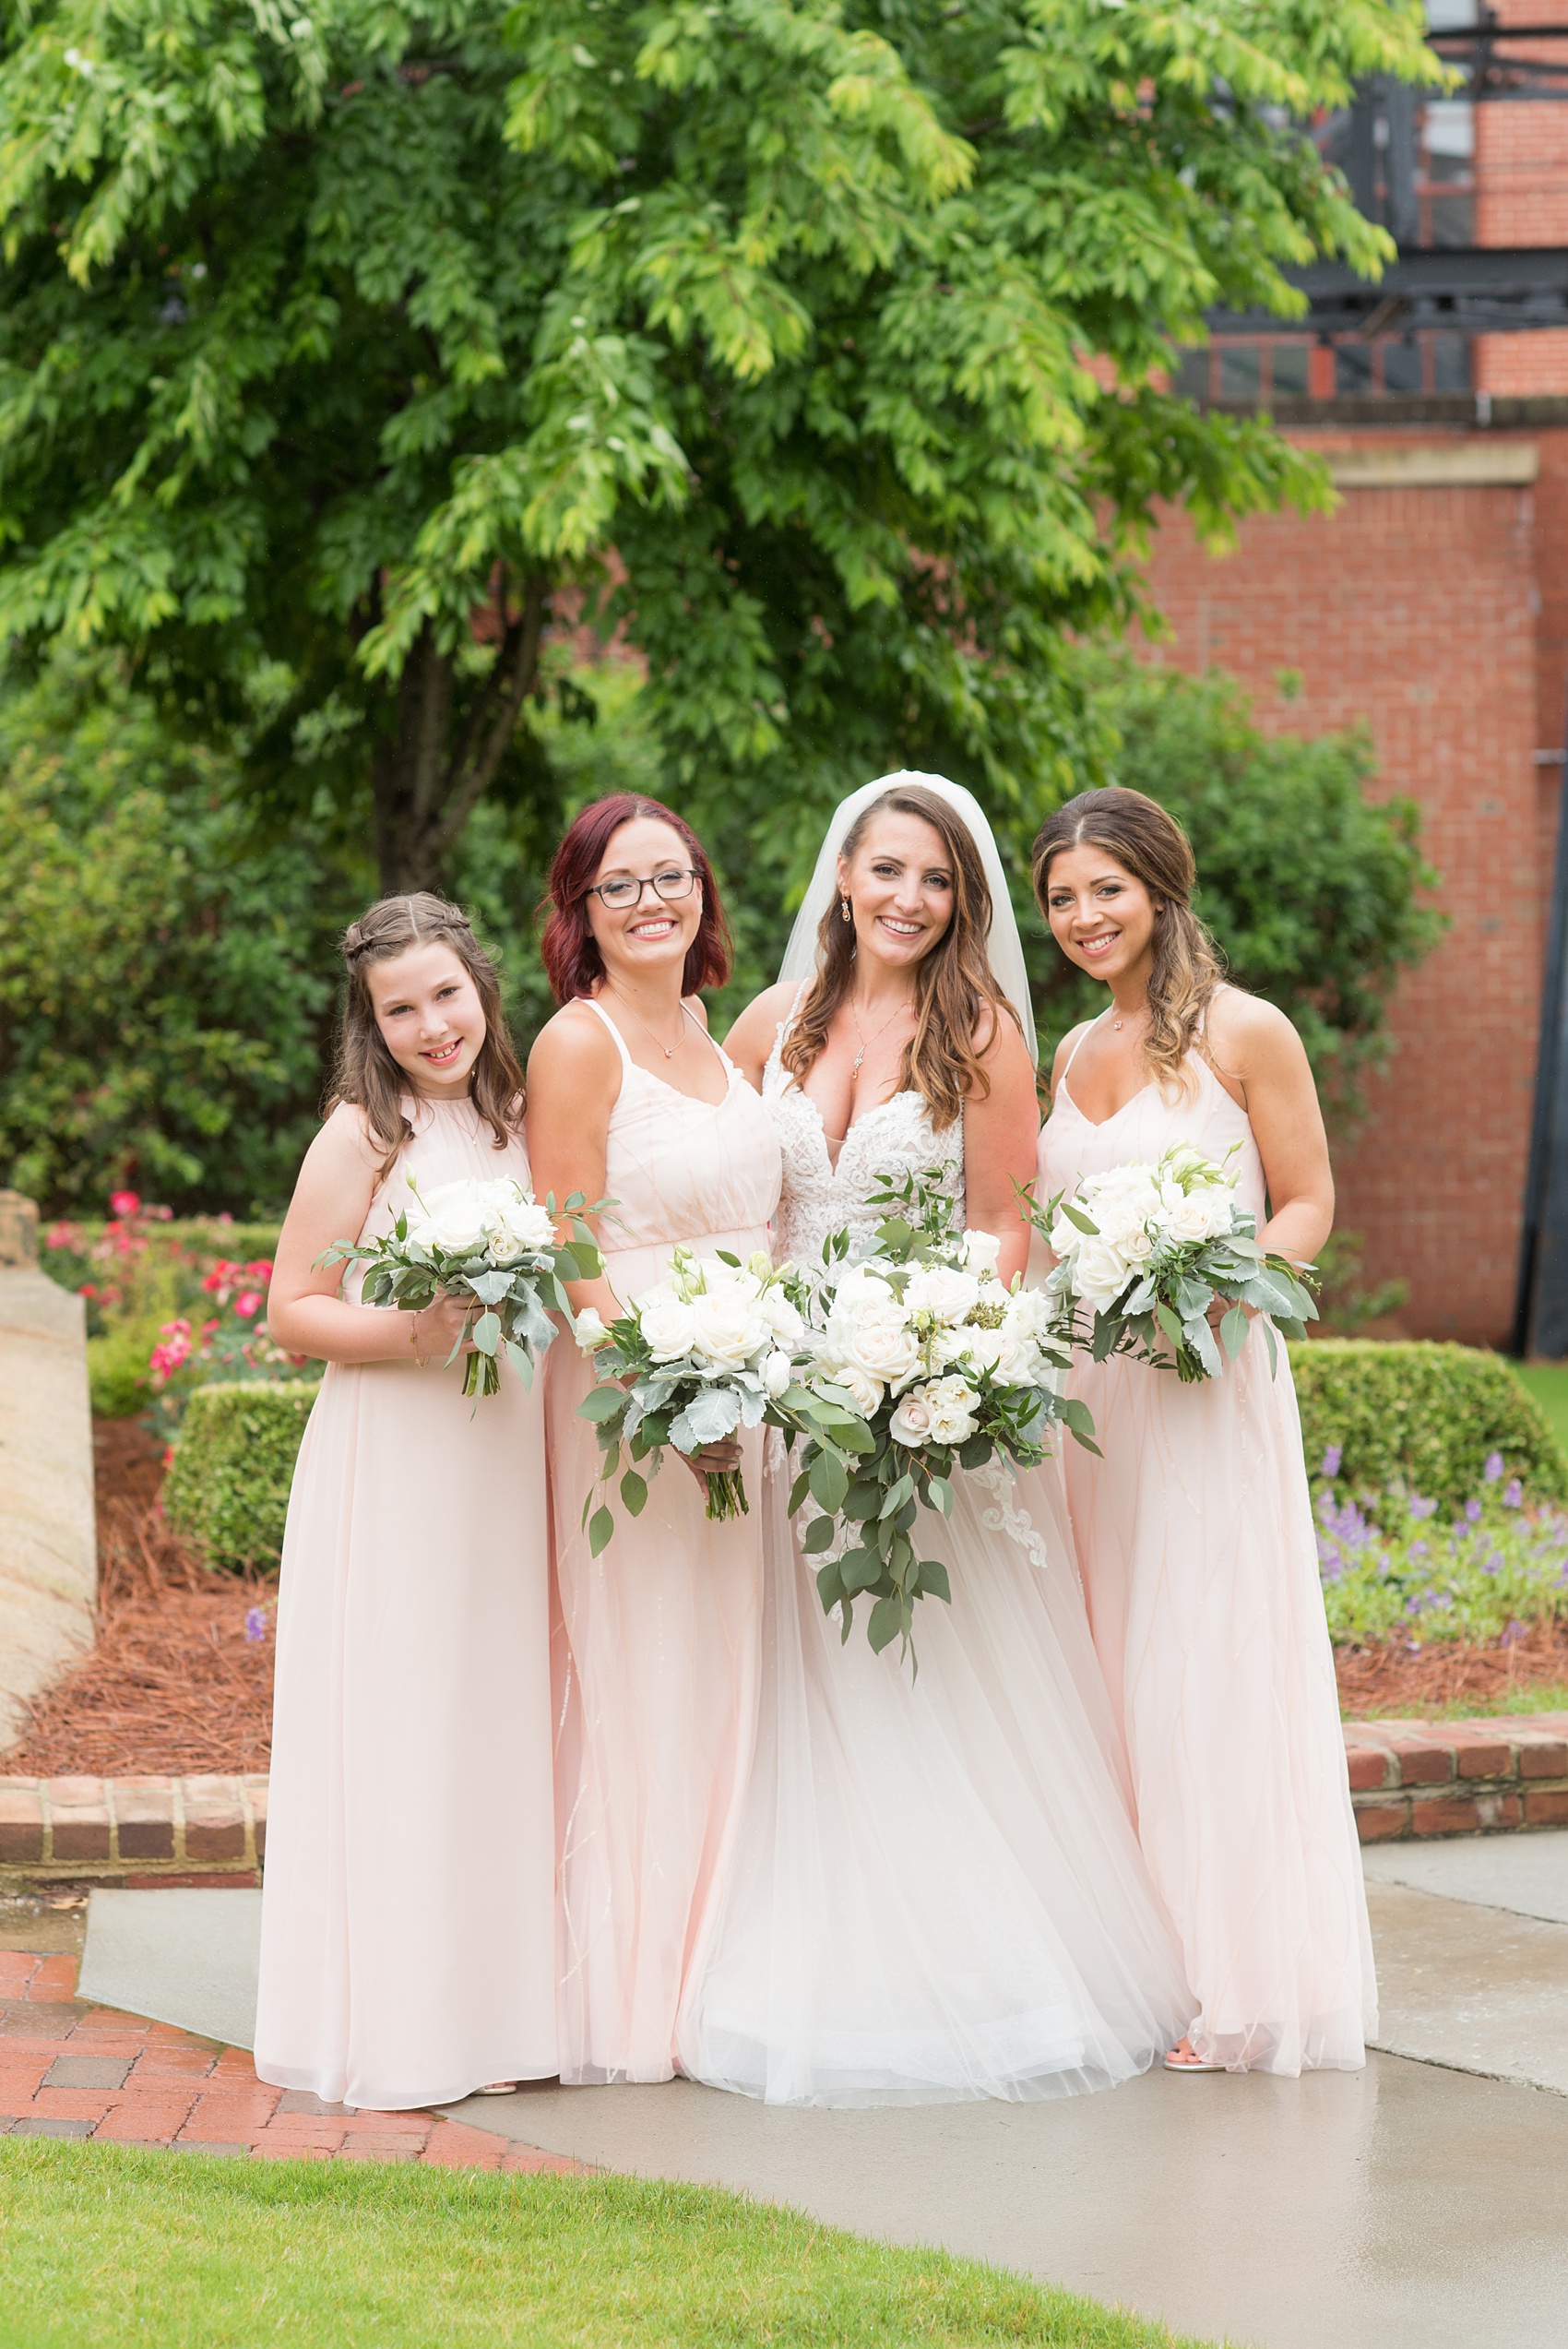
{"type": "Point", "coordinates": [1389, 1563]}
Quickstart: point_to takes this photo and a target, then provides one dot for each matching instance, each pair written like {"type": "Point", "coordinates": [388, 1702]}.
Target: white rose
{"type": "Point", "coordinates": [727, 1327]}
{"type": "Point", "coordinates": [589, 1330]}
{"type": "Point", "coordinates": [501, 1245]}
{"type": "Point", "coordinates": [1201, 1215]}
{"type": "Point", "coordinates": [952, 1405]}
{"type": "Point", "coordinates": [981, 1252]}
{"type": "Point", "coordinates": [867, 1391]}
{"type": "Point", "coordinates": [1100, 1274]}
{"type": "Point", "coordinates": [911, 1423]}
{"type": "Point", "coordinates": [1018, 1362]}
{"type": "Point", "coordinates": [882, 1348]}
{"type": "Point", "coordinates": [1028, 1314]}
{"type": "Point", "coordinates": [982, 1347]}
{"type": "Point", "coordinates": [1136, 1245]}
{"type": "Point", "coordinates": [941, 1289]}
{"type": "Point", "coordinates": [528, 1223]}
{"type": "Point", "coordinates": [668, 1325]}
{"type": "Point", "coordinates": [777, 1372]}
{"type": "Point", "coordinates": [457, 1223]}
{"type": "Point", "coordinates": [780, 1317]}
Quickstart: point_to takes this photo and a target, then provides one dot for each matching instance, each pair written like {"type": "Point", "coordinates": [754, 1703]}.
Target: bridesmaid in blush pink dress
{"type": "Point", "coordinates": [656, 1640]}
{"type": "Point", "coordinates": [1194, 1530]}
{"type": "Point", "coordinates": [408, 1942]}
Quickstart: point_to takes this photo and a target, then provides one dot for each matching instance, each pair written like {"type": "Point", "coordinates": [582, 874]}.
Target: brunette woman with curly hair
{"type": "Point", "coordinates": [1194, 1530]}
{"type": "Point", "coordinates": [658, 1637]}
{"type": "Point", "coordinates": [408, 1921]}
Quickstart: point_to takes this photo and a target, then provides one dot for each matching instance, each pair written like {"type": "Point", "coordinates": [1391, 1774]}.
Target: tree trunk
{"type": "Point", "coordinates": [428, 780]}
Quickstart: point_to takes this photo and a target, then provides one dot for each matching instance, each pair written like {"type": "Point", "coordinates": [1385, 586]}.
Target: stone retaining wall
{"type": "Point", "coordinates": [48, 1550]}
{"type": "Point", "coordinates": [1412, 1779]}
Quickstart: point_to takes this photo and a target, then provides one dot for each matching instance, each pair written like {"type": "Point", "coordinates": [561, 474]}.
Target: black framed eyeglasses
{"type": "Point", "coordinates": [675, 882]}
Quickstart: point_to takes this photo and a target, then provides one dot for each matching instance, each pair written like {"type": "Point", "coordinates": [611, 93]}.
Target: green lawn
{"type": "Point", "coordinates": [1550, 1699]}
{"type": "Point", "coordinates": [1548, 1382]}
{"type": "Point", "coordinates": [147, 2250]}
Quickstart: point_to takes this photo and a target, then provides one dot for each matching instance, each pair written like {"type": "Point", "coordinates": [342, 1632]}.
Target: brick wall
{"type": "Point", "coordinates": [1416, 611]}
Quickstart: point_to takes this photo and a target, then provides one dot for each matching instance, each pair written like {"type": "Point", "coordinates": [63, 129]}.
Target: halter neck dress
{"type": "Point", "coordinates": [937, 1892]}
{"type": "Point", "coordinates": [656, 1640]}
{"type": "Point", "coordinates": [1195, 1539]}
{"type": "Point", "coordinates": [408, 1933]}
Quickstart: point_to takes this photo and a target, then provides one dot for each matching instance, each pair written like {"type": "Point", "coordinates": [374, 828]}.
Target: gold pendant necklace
{"type": "Point", "coordinates": [668, 1050]}
{"type": "Point", "coordinates": [865, 1041]}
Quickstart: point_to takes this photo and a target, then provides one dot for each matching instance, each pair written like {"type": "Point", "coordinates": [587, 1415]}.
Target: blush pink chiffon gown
{"type": "Point", "coordinates": [1196, 1540]}
{"type": "Point", "coordinates": [656, 1640]}
{"type": "Point", "coordinates": [407, 1935]}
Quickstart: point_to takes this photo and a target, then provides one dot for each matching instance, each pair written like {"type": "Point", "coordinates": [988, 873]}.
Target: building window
{"type": "Point", "coordinates": [1445, 184]}
{"type": "Point", "coordinates": [1257, 375]}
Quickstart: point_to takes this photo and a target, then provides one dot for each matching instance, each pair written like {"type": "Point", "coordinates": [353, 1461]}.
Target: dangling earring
{"type": "Point", "coordinates": [844, 908]}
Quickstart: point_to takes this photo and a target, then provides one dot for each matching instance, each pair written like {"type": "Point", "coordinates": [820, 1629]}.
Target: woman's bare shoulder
{"type": "Point", "coordinates": [1243, 1033]}
{"type": "Point", "coordinates": [574, 1045]}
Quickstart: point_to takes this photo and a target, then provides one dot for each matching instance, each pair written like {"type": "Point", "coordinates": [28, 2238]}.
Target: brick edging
{"type": "Point", "coordinates": [1416, 1779]}
{"type": "Point", "coordinates": [104, 1831]}
{"type": "Point", "coordinates": [1409, 1780]}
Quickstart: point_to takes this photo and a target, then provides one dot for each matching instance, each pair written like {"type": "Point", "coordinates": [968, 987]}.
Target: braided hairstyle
{"type": "Point", "coordinates": [366, 1073]}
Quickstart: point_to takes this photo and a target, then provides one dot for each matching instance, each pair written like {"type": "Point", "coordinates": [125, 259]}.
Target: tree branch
{"type": "Point", "coordinates": [485, 740]}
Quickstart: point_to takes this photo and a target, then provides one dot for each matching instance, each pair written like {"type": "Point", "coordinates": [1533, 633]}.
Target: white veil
{"type": "Point", "coordinates": [1006, 946]}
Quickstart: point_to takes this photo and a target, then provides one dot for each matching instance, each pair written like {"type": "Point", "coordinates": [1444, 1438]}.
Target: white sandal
{"type": "Point", "coordinates": [499, 2088]}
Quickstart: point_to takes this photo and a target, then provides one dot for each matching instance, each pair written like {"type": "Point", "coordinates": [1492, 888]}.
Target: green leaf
{"type": "Point", "coordinates": [829, 1483]}
{"type": "Point", "coordinates": [1233, 1331]}
{"type": "Point", "coordinates": [601, 1525]}
{"type": "Point", "coordinates": [605, 1402]}
{"type": "Point", "coordinates": [889, 1617]}
{"type": "Point", "coordinates": [633, 1493]}
{"type": "Point", "coordinates": [941, 1493]}
{"type": "Point", "coordinates": [933, 1582]}
{"type": "Point", "coordinates": [798, 1492]}
{"type": "Point", "coordinates": [818, 1535]}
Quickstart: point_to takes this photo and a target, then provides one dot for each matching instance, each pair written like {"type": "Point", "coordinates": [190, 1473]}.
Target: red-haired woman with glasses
{"type": "Point", "coordinates": [656, 1640]}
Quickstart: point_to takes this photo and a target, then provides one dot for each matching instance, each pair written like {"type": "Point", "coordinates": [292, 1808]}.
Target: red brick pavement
{"type": "Point", "coordinates": [68, 2069]}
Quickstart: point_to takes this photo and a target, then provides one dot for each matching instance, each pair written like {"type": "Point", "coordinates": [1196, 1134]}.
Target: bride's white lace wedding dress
{"type": "Point", "coordinates": [937, 1891]}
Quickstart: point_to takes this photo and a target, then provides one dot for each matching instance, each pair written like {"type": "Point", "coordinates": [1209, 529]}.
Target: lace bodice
{"type": "Point", "coordinates": [896, 1137]}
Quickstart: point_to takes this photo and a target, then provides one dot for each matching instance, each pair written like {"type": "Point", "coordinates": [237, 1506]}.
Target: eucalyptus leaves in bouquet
{"type": "Point", "coordinates": [492, 1244]}
{"type": "Point", "coordinates": [923, 1363]}
{"type": "Point", "coordinates": [710, 1349]}
{"type": "Point", "coordinates": [1142, 1252]}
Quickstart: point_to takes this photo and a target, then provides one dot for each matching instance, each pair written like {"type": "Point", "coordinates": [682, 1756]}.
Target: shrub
{"type": "Point", "coordinates": [1425, 1417]}
{"type": "Point", "coordinates": [228, 1484]}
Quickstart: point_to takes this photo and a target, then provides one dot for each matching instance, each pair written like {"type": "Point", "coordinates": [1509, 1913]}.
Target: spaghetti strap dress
{"type": "Point", "coordinates": [407, 1950]}
{"type": "Point", "coordinates": [1195, 1539]}
{"type": "Point", "coordinates": [938, 1893]}
{"type": "Point", "coordinates": [655, 1642]}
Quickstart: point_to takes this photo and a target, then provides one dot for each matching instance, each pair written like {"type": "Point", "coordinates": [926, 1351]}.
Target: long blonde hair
{"type": "Point", "coordinates": [954, 982]}
{"type": "Point", "coordinates": [366, 1073]}
{"type": "Point", "coordinates": [1146, 841]}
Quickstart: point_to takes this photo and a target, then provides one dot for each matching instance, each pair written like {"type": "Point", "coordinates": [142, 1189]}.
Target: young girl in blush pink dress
{"type": "Point", "coordinates": [658, 1638]}
{"type": "Point", "coordinates": [407, 1918]}
{"type": "Point", "coordinates": [1194, 1530]}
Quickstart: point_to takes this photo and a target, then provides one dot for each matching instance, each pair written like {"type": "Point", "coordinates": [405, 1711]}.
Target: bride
{"type": "Point", "coordinates": [937, 1890]}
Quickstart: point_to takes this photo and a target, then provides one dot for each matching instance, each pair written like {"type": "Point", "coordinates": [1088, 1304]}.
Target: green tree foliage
{"type": "Point", "coordinates": [162, 983]}
{"type": "Point", "coordinates": [339, 347]}
{"type": "Point", "coordinates": [1313, 888]}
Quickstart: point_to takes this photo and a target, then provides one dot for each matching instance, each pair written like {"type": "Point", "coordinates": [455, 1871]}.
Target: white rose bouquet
{"type": "Point", "coordinates": [922, 1360]}
{"type": "Point", "coordinates": [493, 1243]}
{"type": "Point", "coordinates": [710, 1349]}
{"type": "Point", "coordinates": [1146, 1250]}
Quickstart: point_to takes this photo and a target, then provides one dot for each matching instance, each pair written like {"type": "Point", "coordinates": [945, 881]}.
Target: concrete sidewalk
{"type": "Point", "coordinates": [1403, 2207]}
{"type": "Point", "coordinates": [1421, 2204]}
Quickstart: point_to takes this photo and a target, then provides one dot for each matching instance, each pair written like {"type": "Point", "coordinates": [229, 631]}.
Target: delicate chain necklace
{"type": "Point", "coordinates": [668, 1050]}
{"type": "Point", "coordinates": [865, 1041]}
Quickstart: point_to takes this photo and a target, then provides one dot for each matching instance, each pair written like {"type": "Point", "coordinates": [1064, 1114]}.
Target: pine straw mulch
{"type": "Point", "coordinates": [1392, 1681]}
{"type": "Point", "coordinates": [174, 1686]}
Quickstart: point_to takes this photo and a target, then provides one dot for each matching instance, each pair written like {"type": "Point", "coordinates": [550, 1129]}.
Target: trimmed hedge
{"type": "Point", "coordinates": [1428, 1415]}
{"type": "Point", "coordinates": [227, 1489]}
